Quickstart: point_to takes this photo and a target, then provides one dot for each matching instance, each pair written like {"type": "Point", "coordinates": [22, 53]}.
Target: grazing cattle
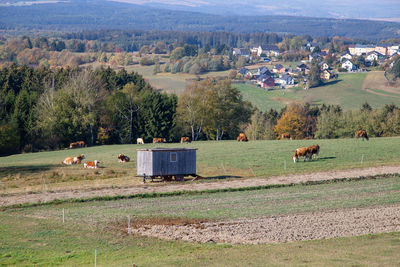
{"type": "Point", "coordinates": [301, 152]}
{"type": "Point", "coordinates": [242, 138]}
{"type": "Point", "coordinates": [362, 133]}
{"type": "Point", "coordinates": [123, 158]}
{"type": "Point", "coordinates": [139, 141]}
{"type": "Point", "coordinates": [91, 164]}
{"type": "Point", "coordinates": [77, 144]}
{"type": "Point", "coordinates": [185, 139]}
{"type": "Point", "coordinates": [286, 136]}
{"type": "Point", "coordinates": [314, 150]}
{"type": "Point", "coordinates": [73, 160]}
{"type": "Point", "coordinates": [159, 140]}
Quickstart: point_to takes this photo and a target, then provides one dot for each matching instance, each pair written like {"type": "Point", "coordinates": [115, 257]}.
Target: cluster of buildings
{"type": "Point", "coordinates": [279, 76]}
{"type": "Point", "coordinates": [283, 77]}
{"type": "Point", "coordinates": [259, 51]}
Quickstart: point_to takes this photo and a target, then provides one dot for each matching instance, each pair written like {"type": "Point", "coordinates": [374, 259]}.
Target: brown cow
{"type": "Point", "coordinates": [77, 144]}
{"type": "Point", "coordinates": [73, 160]}
{"type": "Point", "coordinates": [314, 150]}
{"type": "Point", "coordinates": [301, 152]}
{"type": "Point", "coordinates": [91, 164]}
{"type": "Point", "coordinates": [242, 138]}
{"type": "Point", "coordinates": [185, 139]}
{"type": "Point", "coordinates": [362, 133]}
{"type": "Point", "coordinates": [159, 140]}
{"type": "Point", "coordinates": [123, 158]}
{"type": "Point", "coordinates": [286, 136]}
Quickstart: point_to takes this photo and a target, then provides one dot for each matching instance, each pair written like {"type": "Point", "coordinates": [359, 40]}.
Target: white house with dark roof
{"type": "Point", "coordinates": [285, 79]}
{"type": "Point", "coordinates": [268, 50]}
{"type": "Point", "coordinates": [348, 65]}
{"type": "Point", "coordinates": [241, 52]}
{"type": "Point", "coordinates": [374, 55]}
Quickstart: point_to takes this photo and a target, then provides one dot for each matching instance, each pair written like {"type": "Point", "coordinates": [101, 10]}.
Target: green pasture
{"type": "Point", "coordinates": [171, 83]}
{"type": "Point", "coordinates": [215, 160]}
{"type": "Point", "coordinates": [346, 91]}
{"type": "Point", "coordinates": [36, 235]}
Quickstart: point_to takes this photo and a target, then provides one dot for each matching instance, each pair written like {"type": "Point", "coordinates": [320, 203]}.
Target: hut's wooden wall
{"type": "Point", "coordinates": [155, 162]}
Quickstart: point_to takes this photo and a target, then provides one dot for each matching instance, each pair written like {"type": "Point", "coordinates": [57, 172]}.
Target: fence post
{"type": "Point", "coordinates": [362, 158]}
{"type": "Point", "coordinates": [95, 257]}
{"type": "Point", "coordinates": [63, 215]}
{"type": "Point", "coordinates": [129, 225]}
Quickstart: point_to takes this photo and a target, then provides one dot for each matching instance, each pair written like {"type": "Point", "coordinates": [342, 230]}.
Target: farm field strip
{"type": "Point", "coordinates": [28, 241]}
{"type": "Point", "coordinates": [231, 205]}
{"type": "Point", "coordinates": [289, 228]}
{"type": "Point", "coordinates": [128, 191]}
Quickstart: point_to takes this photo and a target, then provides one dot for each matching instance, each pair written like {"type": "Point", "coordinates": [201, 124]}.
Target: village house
{"type": "Point", "coordinates": [241, 52]}
{"type": "Point", "coordinates": [326, 75]}
{"type": "Point", "coordinates": [279, 68]}
{"type": "Point", "coordinates": [348, 65]}
{"type": "Point", "coordinates": [345, 56]}
{"type": "Point", "coordinates": [245, 73]}
{"type": "Point", "coordinates": [265, 81]}
{"type": "Point", "coordinates": [267, 50]}
{"type": "Point", "coordinates": [317, 56]}
{"type": "Point", "coordinates": [374, 55]}
{"type": "Point", "coordinates": [285, 79]}
{"type": "Point", "coordinates": [263, 71]}
{"type": "Point", "coordinates": [302, 67]}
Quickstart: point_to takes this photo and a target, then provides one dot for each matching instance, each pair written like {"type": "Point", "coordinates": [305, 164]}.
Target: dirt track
{"type": "Point", "coordinates": [297, 227]}
{"type": "Point", "coordinates": [6, 200]}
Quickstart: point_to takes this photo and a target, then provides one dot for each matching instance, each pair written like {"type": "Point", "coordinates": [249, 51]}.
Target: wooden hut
{"type": "Point", "coordinates": [166, 163]}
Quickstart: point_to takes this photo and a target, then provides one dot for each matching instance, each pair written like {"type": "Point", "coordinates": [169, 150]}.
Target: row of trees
{"type": "Point", "coordinates": [325, 122]}
{"type": "Point", "coordinates": [43, 109]}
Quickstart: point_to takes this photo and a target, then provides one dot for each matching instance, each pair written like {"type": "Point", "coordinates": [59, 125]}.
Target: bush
{"type": "Point", "coordinates": [146, 61]}
{"type": "Point", "coordinates": [9, 139]}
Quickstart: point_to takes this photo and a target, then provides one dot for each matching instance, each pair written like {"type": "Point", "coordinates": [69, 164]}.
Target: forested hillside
{"type": "Point", "coordinates": [82, 15]}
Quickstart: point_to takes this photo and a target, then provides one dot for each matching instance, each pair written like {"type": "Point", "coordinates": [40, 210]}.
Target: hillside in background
{"type": "Point", "coordinates": [79, 15]}
{"type": "Point", "coordinates": [311, 8]}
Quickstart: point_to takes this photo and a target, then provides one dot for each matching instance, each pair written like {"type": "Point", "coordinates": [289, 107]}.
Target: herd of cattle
{"type": "Point", "coordinates": [306, 152]}
{"type": "Point", "coordinates": [90, 164]}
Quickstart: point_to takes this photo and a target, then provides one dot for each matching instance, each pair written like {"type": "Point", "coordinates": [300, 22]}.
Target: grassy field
{"type": "Point", "coordinates": [171, 83]}
{"type": "Point", "coordinates": [222, 159]}
{"type": "Point", "coordinates": [349, 91]}
{"type": "Point", "coordinates": [36, 235]}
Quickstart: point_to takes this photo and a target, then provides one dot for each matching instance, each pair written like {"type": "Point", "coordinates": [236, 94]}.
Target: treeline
{"type": "Point", "coordinates": [42, 109]}
{"type": "Point", "coordinates": [324, 122]}
{"type": "Point", "coordinates": [133, 40]}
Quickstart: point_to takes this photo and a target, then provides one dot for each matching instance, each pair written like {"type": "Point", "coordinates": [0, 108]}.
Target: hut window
{"type": "Point", "coordinates": [173, 157]}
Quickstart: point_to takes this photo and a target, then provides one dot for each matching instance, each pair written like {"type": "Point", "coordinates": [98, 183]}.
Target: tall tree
{"type": "Point", "coordinates": [315, 75]}
{"type": "Point", "coordinates": [192, 108]}
{"type": "Point", "coordinates": [293, 122]}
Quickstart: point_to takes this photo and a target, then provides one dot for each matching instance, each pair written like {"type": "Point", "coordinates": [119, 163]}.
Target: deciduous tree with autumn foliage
{"type": "Point", "coordinates": [293, 122]}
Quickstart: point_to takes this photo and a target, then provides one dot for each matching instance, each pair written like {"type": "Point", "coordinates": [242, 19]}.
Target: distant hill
{"type": "Point", "coordinates": [348, 9]}
{"type": "Point", "coordinates": [81, 15]}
